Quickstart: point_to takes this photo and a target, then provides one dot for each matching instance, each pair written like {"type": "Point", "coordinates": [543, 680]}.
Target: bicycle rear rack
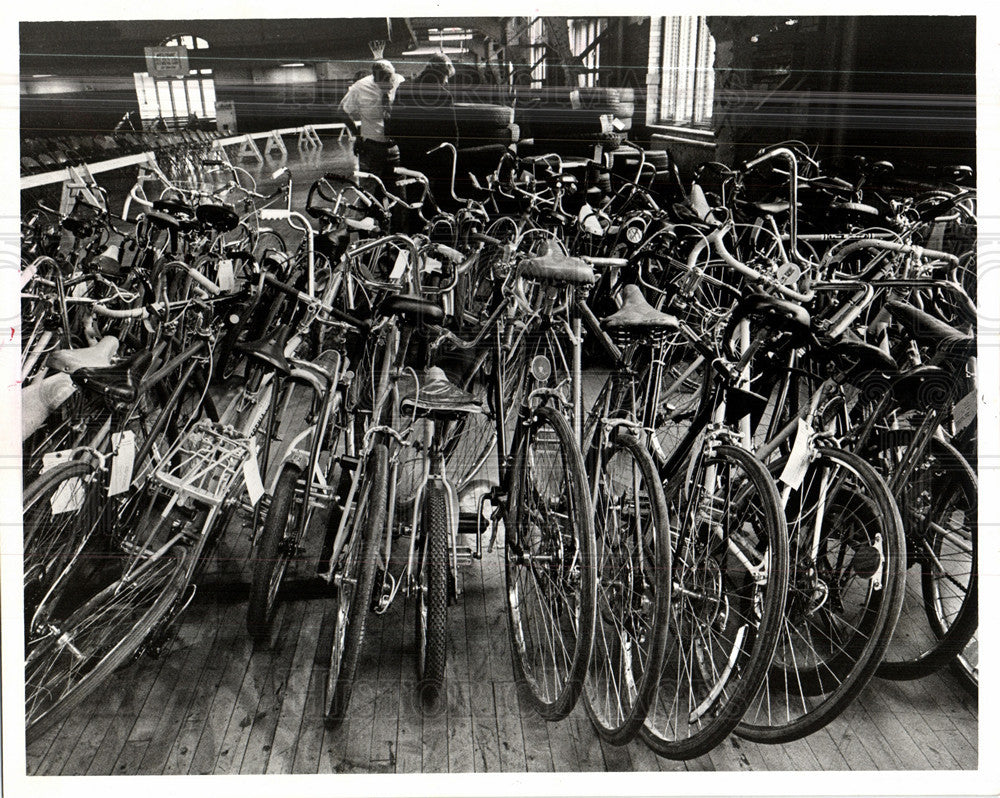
{"type": "Point", "coordinates": [205, 464]}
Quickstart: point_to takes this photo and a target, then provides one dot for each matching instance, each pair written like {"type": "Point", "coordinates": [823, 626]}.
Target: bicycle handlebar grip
{"type": "Point", "coordinates": [130, 313]}
{"type": "Point", "coordinates": [597, 261]}
{"type": "Point", "coordinates": [485, 239]}
{"type": "Point", "coordinates": [451, 254]}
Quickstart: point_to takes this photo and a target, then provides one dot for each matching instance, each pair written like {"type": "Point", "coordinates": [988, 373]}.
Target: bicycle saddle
{"type": "Point", "coordinates": [554, 267]}
{"type": "Point", "coordinates": [770, 208]}
{"type": "Point", "coordinates": [777, 314]}
{"type": "Point", "coordinates": [173, 207]}
{"type": "Point", "coordinates": [80, 221]}
{"type": "Point", "coordinates": [218, 217]}
{"type": "Point", "coordinates": [164, 220]}
{"type": "Point", "coordinates": [637, 315]}
{"type": "Point", "coordinates": [856, 358]}
{"type": "Point", "coordinates": [437, 397]}
{"type": "Point", "coordinates": [945, 340]}
{"type": "Point", "coordinates": [97, 356]}
{"type": "Point", "coordinates": [119, 383]}
{"type": "Point", "coordinates": [270, 351]}
{"type": "Point", "coordinates": [413, 308]}
{"type": "Point", "coordinates": [40, 398]}
{"type": "Point", "coordinates": [923, 388]}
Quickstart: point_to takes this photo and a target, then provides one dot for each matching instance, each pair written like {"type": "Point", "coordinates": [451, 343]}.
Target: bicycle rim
{"type": "Point", "coordinates": [843, 603]}
{"type": "Point", "coordinates": [84, 649]}
{"type": "Point", "coordinates": [633, 590]}
{"type": "Point", "coordinates": [724, 619]}
{"type": "Point", "coordinates": [354, 590]}
{"type": "Point", "coordinates": [551, 584]}
{"type": "Point", "coordinates": [939, 507]}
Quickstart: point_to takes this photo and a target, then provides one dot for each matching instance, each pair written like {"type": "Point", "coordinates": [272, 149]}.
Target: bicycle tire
{"type": "Point", "coordinates": [353, 603]}
{"type": "Point", "coordinates": [51, 537]}
{"type": "Point", "coordinates": [842, 608]}
{"type": "Point", "coordinates": [268, 241]}
{"type": "Point", "coordinates": [633, 559]}
{"type": "Point", "coordinates": [470, 440]}
{"type": "Point", "coordinates": [921, 644]}
{"type": "Point", "coordinates": [966, 664]}
{"type": "Point", "coordinates": [575, 612]}
{"type": "Point", "coordinates": [431, 613]}
{"type": "Point", "coordinates": [273, 552]}
{"type": "Point", "coordinates": [152, 596]}
{"type": "Point", "coordinates": [733, 613]}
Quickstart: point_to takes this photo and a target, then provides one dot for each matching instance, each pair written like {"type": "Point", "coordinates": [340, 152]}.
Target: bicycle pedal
{"type": "Point", "coordinates": [464, 555]}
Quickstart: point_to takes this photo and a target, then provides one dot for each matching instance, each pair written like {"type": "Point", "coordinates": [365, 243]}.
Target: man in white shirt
{"type": "Point", "coordinates": [369, 100]}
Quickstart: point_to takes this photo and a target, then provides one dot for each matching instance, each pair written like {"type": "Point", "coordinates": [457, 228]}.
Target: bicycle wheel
{"type": "Point", "coordinates": [432, 595]}
{"type": "Point", "coordinates": [61, 508]}
{"type": "Point", "coordinates": [633, 589]}
{"type": "Point", "coordinates": [355, 577]}
{"type": "Point", "coordinates": [273, 552]}
{"type": "Point", "coordinates": [730, 579]}
{"type": "Point", "coordinates": [267, 241]}
{"type": "Point", "coordinates": [845, 591]}
{"type": "Point", "coordinates": [549, 565]}
{"type": "Point", "coordinates": [82, 650]}
{"type": "Point", "coordinates": [966, 665]}
{"type": "Point", "coordinates": [939, 507]}
{"type": "Point", "coordinates": [470, 439]}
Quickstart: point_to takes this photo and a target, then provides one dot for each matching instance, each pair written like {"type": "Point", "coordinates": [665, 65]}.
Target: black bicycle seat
{"type": "Point", "coordinates": [855, 358]}
{"type": "Point", "coordinates": [119, 383]}
{"type": "Point", "coordinates": [777, 314]}
{"type": "Point", "coordinates": [412, 307]}
{"type": "Point", "coordinates": [218, 217]}
{"type": "Point", "coordinates": [929, 330]}
{"type": "Point", "coordinates": [173, 207]}
{"type": "Point", "coordinates": [271, 350]}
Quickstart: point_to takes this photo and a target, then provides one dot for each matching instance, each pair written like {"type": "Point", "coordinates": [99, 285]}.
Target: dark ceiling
{"type": "Point", "coordinates": [51, 45]}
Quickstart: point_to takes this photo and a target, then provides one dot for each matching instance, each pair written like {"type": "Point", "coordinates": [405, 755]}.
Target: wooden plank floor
{"type": "Point", "coordinates": [213, 703]}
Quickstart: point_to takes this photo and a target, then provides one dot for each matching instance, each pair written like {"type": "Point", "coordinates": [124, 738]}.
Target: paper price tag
{"type": "Point", "coordinates": [251, 476]}
{"type": "Point", "coordinates": [123, 462]}
{"type": "Point", "coordinates": [789, 274]}
{"type": "Point", "coordinates": [432, 266]}
{"type": "Point", "coordinates": [798, 461]}
{"type": "Point", "coordinates": [225, 276]}
{"type": "Point", "coordinates": [68, 497]}
{"type": "Point", "coordinates": [964, 411]}
{"type": "Point", "coordinates": [399, 267]}
{"type": "Point", "coordinates": [52, 459]}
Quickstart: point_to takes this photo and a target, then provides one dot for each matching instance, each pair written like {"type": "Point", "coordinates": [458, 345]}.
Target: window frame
{"type": "Point", "coordinates": [681, 74]}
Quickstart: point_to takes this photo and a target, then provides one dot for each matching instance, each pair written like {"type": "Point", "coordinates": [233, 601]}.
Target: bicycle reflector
{"type": "Point", "coordinates": [541, 369]}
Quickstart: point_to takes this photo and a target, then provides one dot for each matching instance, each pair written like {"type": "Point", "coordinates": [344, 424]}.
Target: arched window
{"type": "Point", "coordinates": [186, 40]}
{"type": "Point", "coordinates": [179, 100]}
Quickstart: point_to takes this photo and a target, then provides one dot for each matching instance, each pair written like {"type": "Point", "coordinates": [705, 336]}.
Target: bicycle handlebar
{"type": "Point", "coordinates": [891, 246]}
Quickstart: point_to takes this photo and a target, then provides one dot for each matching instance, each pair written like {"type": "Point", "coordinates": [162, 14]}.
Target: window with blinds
{"type": "Point", "coordinates": [583, 34]}
{"type": "Point", "coordinates": [681, 58]}
{"type": "Point", "coordinates": [538, 50]}
{"type": "Point", "coordinates": [174, 100]}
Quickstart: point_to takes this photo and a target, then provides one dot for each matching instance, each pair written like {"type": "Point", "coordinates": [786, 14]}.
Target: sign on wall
{"type": "Point", "coordinates": [166, 62]}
